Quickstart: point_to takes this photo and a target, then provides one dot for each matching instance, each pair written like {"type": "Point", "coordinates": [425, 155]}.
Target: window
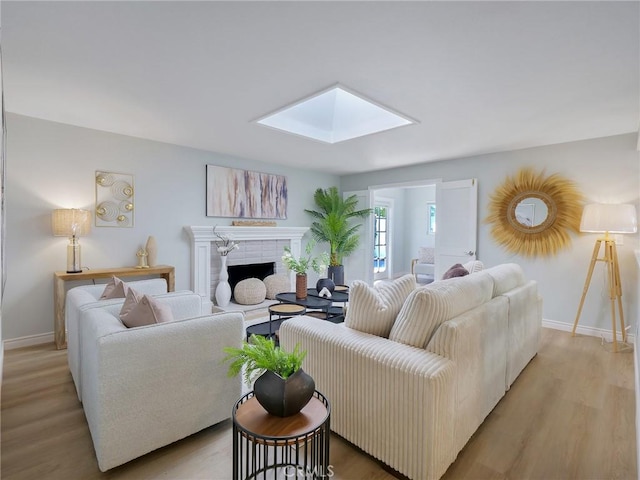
{"type": "Point", "coordinates": [380, 239]}
{"type": "Point", "coordinates": [431, 218]}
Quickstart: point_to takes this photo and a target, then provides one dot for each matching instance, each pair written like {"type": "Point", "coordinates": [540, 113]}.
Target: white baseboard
{"type": "Point", "coordinates": [590, 331]}
{"type": "Point", "coordinates": [28, 341]}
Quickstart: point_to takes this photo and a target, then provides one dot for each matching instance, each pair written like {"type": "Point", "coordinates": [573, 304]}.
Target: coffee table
{"type": "Point", "coordinates": [314, 302]}
{"type": "Point", "coordinates": [283, 311]}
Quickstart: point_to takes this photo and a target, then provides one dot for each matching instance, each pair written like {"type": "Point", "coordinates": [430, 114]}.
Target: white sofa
{"type": "Point", "coordinates": [415, 408]}
{"type": "Point", "coordinates": [146, 387]}
{"type": "Point", "coordinates": [86, 297]}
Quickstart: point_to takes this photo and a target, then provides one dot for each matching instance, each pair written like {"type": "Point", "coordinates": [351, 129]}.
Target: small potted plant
{"type": "Point", "coordinates": [301, 266]}
{"type": "Point", "coordinates": [282, 387]}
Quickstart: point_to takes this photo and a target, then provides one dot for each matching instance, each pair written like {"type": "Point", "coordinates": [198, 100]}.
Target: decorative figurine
{"type": "Point", "coordinates": [142, 258]}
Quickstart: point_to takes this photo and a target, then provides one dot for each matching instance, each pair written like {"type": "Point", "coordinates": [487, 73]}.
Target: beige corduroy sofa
{"type": "Point", "coordinates": [415, 407]}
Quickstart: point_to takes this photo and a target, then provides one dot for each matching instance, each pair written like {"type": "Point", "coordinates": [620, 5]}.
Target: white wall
{"type": "Point", "coordinates": [416, 200]}
{"type": "Point", "coordinates": [605, 170]}
{"type": "Point", "coordinates": [51, 165]}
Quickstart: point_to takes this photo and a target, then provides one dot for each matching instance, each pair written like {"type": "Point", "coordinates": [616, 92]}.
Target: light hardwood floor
{"type": "Point", "coordinates": [570, 415]}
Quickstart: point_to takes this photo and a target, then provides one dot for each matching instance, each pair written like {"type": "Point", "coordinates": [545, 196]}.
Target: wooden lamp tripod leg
{"type": "Point", "coordinates": [594, 259]}
{"type": "Point", "coordinates": [609, 249]}
{"type": "Point", "coordinates": [617, 287]}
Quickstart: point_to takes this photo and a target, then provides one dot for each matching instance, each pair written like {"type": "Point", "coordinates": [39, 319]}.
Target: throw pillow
{"type": "Point", "coordinates": [276, 284]}
{"type": "Point", "coordinates": [456, 270]}
{"type": "Point", "coordinates": [147, 312]}
{"type": "Point", "coordinates": [116, 288]}
{"type": "Point", "coordinates": [131, 300]}
{"type": "Point", "coordinates": [422, 313]}
{"type": "Point", "coordinates": [426, 255]}
{"type": "Point", "coordinates": [473, 266]}
{"type": "Point", "coordinates": [373, 310]}
{"type": "Point", "coordinates": [428, 307]}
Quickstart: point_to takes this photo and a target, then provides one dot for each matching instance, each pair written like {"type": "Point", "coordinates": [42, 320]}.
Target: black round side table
{"type": "Point", "coordinates": [284, 447]}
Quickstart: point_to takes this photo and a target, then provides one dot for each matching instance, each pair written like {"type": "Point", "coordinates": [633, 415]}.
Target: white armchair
{"type": "Point", "coordinates": [425, 263]}
{"type": "Point", "coordinates": [146, 387]}
{"type": "Point", "coordinates": [86, 297]}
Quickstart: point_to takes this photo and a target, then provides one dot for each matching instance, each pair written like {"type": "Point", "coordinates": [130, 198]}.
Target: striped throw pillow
{"type": "Point", "coordinates": [374, 309]}
{"type": "Point", "coordinates": [428, 307]}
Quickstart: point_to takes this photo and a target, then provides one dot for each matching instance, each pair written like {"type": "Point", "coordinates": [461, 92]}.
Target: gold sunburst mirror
{"type": "Point", "coordinates": [532, 214]}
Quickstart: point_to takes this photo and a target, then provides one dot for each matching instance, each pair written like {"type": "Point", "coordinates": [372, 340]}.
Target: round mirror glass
{"type": "Point", "coordinates": [531, 212]}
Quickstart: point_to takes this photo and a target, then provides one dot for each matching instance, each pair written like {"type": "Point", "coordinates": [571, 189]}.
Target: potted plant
{"type": "Point", "coordinates": [301, 266]}
{"type": "Point", "coordinates": [282, 387]}
{"type": "Point", "coordinates": [333, 225]}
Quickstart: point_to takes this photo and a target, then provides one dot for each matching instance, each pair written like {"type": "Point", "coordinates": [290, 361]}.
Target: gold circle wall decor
{"type": "Point", "coordinates": [532, 214]}
{"type": "Point", "coordinates": [114, 199]}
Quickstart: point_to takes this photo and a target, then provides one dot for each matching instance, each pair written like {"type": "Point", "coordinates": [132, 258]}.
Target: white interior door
{"type": "Point", "coordinates": [456, 220]}
{"type": "Point", "coordinates": [359, 265]}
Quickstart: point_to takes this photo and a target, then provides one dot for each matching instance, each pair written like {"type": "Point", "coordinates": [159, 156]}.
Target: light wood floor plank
{"type": "Point", "coordinates": [570, 415]}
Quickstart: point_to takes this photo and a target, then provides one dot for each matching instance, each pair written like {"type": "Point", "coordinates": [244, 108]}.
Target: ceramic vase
{"type": "Point", "coordinates": [325, 283]}
{"type": "Point", "coordinates": [336, 273]}
{"type": "Point", "coordinates": [152, 251]}
{"type": "Point", "coordinates": [281, 397]}
{"type": "Point", "coordinates": [301, 285]}
{"type": "Point", "coordinates": [223, 290]}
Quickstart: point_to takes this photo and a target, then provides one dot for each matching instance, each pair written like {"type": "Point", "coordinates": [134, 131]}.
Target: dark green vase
{"type": "Point", "coordinates": [283, 398]}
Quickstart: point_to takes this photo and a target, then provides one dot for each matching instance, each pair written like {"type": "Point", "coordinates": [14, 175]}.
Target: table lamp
{"type": "Point", "coordinates": [607, 218]}
{"type": "Point", "coordinates": [72, 223]}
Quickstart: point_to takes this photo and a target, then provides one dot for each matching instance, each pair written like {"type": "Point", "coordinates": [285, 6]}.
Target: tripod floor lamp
{"type": "Point", "coordinates": [607, 219]}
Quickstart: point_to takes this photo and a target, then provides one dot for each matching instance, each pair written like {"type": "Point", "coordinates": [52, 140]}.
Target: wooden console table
{"type": "Point", "coordinates": [59, 292]}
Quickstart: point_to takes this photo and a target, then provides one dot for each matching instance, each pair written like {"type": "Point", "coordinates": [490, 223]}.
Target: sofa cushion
{"type": "Point", "coordinates": [428, 307]}
{"type": "Point", "coordinates": [146, 312]}
{"type": "Point", "coordinates": [373, 310]}
{"type": "Point", "coordinates": [456, 270]}
{"type": "Point", "coordinates": [115, 288]}
{"type": "Point", "coordinates": [249, 291]}
{"type": "Point", "coordinates": [276, 284]}
{"type": "Point", "coordinates": [506, 277]}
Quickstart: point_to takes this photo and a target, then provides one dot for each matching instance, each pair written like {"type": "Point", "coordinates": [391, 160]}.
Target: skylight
{"type": "Point", "coordinates": [333, 116]}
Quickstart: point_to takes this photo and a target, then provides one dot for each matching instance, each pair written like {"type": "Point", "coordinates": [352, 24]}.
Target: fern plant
{"type": "Point", "coordinates": [261, 354]}
{"type": "Point", "coordinates": [333, 222]}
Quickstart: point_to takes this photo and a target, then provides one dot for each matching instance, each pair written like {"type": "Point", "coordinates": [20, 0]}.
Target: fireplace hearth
{"type": "Point", "coordinates": [237, 273]}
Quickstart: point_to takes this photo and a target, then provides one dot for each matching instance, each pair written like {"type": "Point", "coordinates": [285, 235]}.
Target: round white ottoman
{"type": "Point", "coordinates": [249, 291]}
{"type": "Point", "coordinates": [276, 284]}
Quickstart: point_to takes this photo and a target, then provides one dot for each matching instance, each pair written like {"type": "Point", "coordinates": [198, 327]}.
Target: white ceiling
{"type": "Point", "coordinates": [479, 76]}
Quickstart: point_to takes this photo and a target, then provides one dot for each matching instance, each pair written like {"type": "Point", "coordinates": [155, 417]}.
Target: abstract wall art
{"type": "Point", "coordinates": [232, 192]}
{"type": "Point", "coordinates": [114, 199]}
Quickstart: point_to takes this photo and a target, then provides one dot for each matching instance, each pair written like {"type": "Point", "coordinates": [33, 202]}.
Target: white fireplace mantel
{"type": "Point", "coordinates": [202, 237]}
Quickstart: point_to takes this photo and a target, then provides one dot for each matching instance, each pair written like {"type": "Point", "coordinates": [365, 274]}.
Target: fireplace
{"type": "Point", "coordinates": [237, 273]}
{"type": "Point", "coordinates": [257, 245]}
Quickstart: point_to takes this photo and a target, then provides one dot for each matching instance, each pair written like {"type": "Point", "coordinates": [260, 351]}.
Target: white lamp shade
{"type": "Point", "coordinates": [69, 222]}
{"type": "Point", "coordinates": [612, 218]}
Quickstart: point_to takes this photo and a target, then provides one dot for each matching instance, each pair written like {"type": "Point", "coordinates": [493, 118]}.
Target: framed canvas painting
{"type": "Point", "coordinates": [232, 192]}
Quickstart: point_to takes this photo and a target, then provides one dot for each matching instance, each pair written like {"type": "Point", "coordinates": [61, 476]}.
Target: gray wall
{"type": "Point", "coordinates": [51, 165]}
{"type": "Point", "coordinates": [605, 170]}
